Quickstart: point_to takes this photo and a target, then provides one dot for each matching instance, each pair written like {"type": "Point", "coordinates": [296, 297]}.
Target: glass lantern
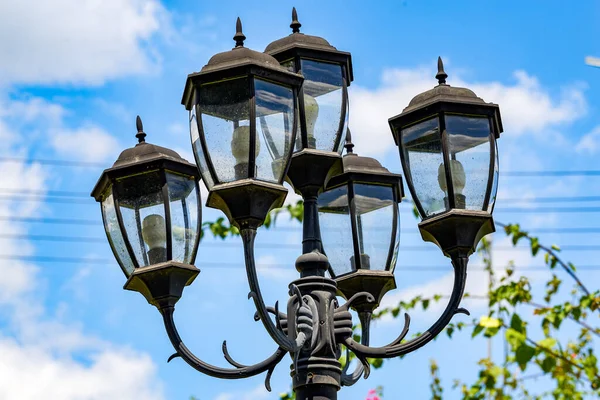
{"type": "Point", "coordinates": [323, 99]}
{"type": "Point", "coordinates": [150, 205]}
{"type": "Point", "coordinates": [242, 107]}
{"type": "Point", "coordinates": [447, 141]}
{"type": "Point", "coordinates": [359, 219]}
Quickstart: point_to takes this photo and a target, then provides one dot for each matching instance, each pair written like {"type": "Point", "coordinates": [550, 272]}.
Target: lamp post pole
{"type": "Point", "coordinates": [285, 112]}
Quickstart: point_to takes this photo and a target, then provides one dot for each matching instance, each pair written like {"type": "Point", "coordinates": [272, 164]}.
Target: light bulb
{"type": "Point", "coordinates": [154, 232]}
{"type": "Point", "coordinates": [240, 144]}
{"type": "Point", "coordinates": [459, 178]}
{"type": "Point", "coordinates": [311, 113]}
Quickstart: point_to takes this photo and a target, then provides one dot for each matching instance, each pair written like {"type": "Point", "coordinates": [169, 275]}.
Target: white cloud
{"type": "Point", "coordinates": [85, 42]}
{"type": "Point", "coordinates": [270, 266]}
{"type": "Point", "coordinates": [89, 143]}
{"type": "Point", "coordinates": [590, 143]}
{"type": "Point", "coordinates": [42, 355]}
{"type": "Point", "coordinates": [30, 372]}
{"type": "Point", "coordinates": [526, 106]}
{"type": "Point", "coordinates": [258, 393]}
{"type": "Point", "coordinates": [23, 121]}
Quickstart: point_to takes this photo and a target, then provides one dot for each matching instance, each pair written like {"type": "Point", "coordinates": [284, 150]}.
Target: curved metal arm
{"type": "Point", "coordinates": [396, 348]}
{"type": "Point", "coordinates": [208, 369]}
{"type": "Point", "coordinates": [248, 235]}
{"type": "Point", "coordinates": [365, 324]}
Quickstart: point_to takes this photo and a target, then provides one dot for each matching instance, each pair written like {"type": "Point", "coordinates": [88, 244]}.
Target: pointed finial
{"type": "Point", "coordinates": [295, 25]}
{"type": "Point", "coordinates": [239, 35]}
{"type": "Point", "coordinates": [349, 145]}
{"type": "Point", "coordinates": [441, 75]}
{"type": "Point", "coordinates": [141, 136]}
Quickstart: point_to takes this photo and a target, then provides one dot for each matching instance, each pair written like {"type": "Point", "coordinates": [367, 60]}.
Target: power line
{"type": "Point", "coordinates": [60, 221]}
{"type": "Point", "coordinates": [88, 164]}
{"type": "Point", "coordinates": [69, 197]}
{"type": "Point", "coordinates": [93, 222]}
{"type": "Point", "coordinates": [56, 163]}
{"type": "Point", "coordinates": [549, 210]}
{"type": "Point", "coordinates": [79, 239]}
{"type": "Point", "coordinates": [48, 199]}
{"type": "Point", "coordinates": [263, 267]}
{"type": "Point", "coordinates": [550, 173]}
{"type": "Point", "coordinates": [86, 195]}
{"type": "Point", "coordinates": [58, 193]}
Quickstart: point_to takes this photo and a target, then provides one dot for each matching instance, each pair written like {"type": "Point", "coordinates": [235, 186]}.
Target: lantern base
{"type": "Point", "coordinates": [457, 232]}
{"type": "Point", "coordinates": [375, 282]}
{"type": "Point", "coordinates": [162, 284]}
{"type": "Point", "coordinates": [247, 202]}
{"type": "Point", "coordinates": [309, 168]}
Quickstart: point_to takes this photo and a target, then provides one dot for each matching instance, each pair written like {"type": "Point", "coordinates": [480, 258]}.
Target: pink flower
{"type": "Point", "coordinates": [372, 395]}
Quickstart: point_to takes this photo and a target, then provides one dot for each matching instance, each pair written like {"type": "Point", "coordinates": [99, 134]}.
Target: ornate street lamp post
{"type": "Point", "coordinates": [245, 109]}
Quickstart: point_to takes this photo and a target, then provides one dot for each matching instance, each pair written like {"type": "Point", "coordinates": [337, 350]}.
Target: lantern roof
{"type": "Point", "coordinates": [443, 92]}
{"type": "Point", "coordinates": [298, 39]}
{"type": "Point", "coordinates": [362, 169]}
{"type": "Point", "coordinates": [308, 45]}
{"type": "Point", "coordinates": [142, 157]}
{"type": "Point", "coordinates": [444, 98]}
{"type": "Point", "coordinates": [236, 62]}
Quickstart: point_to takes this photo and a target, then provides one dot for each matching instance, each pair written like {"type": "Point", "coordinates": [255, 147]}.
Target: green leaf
{"type": "Point", "coordinates": [535, 246]}
{"type": "Point", "coordinates": [548, 364]}
{"type": "Point", "coordinates": [524, 354]}
{"type": "Point", "coordinates": [425, 304]}
{"type": "Point", "coordinates": [516, 323]}
{"type": "Point", "coordinates": [478, 329]}
{"type": "Point", "coordinates": [514, 338]}
{"type": "Point", "coordinates": [489, 322]}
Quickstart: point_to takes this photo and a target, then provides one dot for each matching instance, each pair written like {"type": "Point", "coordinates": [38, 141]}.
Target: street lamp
{"type": "Point", "coordinates": [323, 112]}
{"type": "Point", "coordinates": [447, 142]}
{"type": "Point", "coordinates": [359, 216]}
{"type": "Point", "coordinates": [244, 110]}
{"type": "Point", "coordinates": [150, 205]}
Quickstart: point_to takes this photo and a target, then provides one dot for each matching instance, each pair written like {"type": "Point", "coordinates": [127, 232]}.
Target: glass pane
{"type": "Point", "coordinates": [340, 147]}
{"type": "Point", "coordinates": [494, 192]}
{"type": "Point", "coordinates": [274, 126]}
{"type": "Point", "coordinates": [198, 153]}
{"type": "Point", "coordinates": [143, 211]}
{"type": "Point", "coordinates": [423, 163]}
{"type": "Point", "coordinates": [469, 151]}
{"type": "Point", "coordinates": [113, 233]}
{"type": "Point", "coordinates": [336, 229]}
{"type": "Point", "coordinates": [183, 200]}
{"type": "Point", "coordinates": [323, 92]}
{"type": "Point", "coordinates": [225, 111]}
{"type": "Point", "coordinates": [375, 221]}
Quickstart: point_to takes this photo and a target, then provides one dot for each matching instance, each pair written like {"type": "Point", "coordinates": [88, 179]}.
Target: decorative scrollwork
{"type": "Point", "coordinates": [397, 348]}
{"type": "Point", "coordinates": [228, 357]}
{"type": "Point", "coordinates": [241, 371]}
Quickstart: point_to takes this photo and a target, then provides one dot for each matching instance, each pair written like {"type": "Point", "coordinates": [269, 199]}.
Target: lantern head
{"type": "Point", "coordinates": [359, 219]}
{"type": "Point", "coordinates": [323, 102]}
{"type": "Point", "coordinates": [150, 205]}
{"type": "Point", "coordinates": [447, 141]}
{"type": "Point", "coordinates": [243, 122]}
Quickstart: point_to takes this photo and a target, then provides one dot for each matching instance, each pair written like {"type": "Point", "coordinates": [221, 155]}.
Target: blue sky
{"type": "Point", "coordinates": [73, 76]}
